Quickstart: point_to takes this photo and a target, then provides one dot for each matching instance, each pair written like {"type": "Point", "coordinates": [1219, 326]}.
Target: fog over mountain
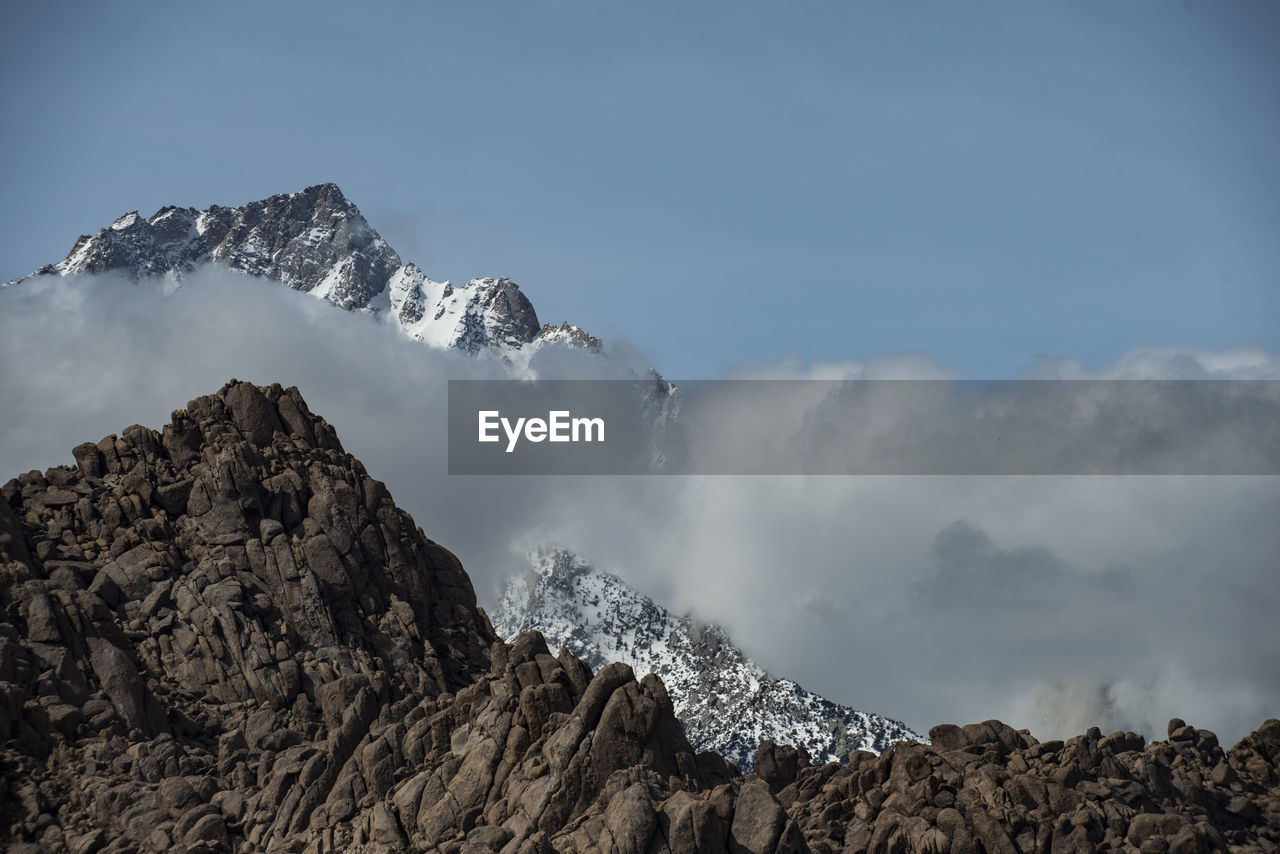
{"type": "Point", "coordinates": [1051, 602]}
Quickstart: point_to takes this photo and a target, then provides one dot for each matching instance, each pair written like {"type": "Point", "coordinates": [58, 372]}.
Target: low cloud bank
{"type": "Point", "coordinates": [1055, 603]}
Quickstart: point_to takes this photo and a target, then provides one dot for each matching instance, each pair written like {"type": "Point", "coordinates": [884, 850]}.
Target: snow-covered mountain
{"type": "Point", "coordinates": [726, 701]}
{"type": "Point", "coordinates": [318, 242]}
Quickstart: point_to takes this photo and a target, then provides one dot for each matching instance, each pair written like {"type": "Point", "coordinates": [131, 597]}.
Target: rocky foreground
{"type": "Point", "coordinates": [225, 637]}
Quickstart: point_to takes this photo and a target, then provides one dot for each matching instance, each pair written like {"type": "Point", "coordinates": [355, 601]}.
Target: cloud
{"type": "Point", "coordinates": [1045, 601]}
{"type": "Point", "coordinates": [1084, 426]}
{"type": "Point", "coordinates": [1166, 363]}
{"type": "Point", "coordinates": [970, 566]}
{"type": "Point", "coordinates": [1145, 705]}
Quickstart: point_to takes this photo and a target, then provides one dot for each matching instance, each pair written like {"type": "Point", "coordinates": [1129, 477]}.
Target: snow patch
{"type": "Point", "coordinates": [726, 701]}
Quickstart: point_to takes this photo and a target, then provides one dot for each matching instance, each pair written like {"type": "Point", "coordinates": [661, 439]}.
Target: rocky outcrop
{"type": "Point", "coordinates": [541, 755]}
{"type": "Point", "coordinates": [574, 336]}
{"type": "Point", "coordinates": [226, 606]}
{"type": "Point", "coordinates": [224, 636]}
{"type": "Point", "coordinates": [988, 787]}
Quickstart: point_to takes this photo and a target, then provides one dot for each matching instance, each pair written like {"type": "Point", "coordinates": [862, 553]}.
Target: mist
{"type": "Point", "coordinates": [1050, 602]}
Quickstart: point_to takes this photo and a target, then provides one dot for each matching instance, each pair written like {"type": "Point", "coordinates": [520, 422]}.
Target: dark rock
{"type": "Point", "coordinates": [252, 413]}
{"type": "Point", "coordinates": [779, 766]}
{"type": "Point", "coordinates": [87, 843]}
{"type": "Point", "coordinates": [1147, 825]}
{"type": "Point", "coordinates": [89, 461]}
{"type": "Point", "coordinates": [631, 820]}
{"type": "Point", "coordinates": [173, 496]}
{"type": "Point", "coordinates": [124, 686]}
{"type": "Point", "coordinates": [208, 828]}
{"type": "Point", "coordinates": [947, 737]}
{"type": "Point", "coordinates": [55, 497]}
{"type": "Point", "coordinates": [42, 625]}
{"type": "Point", "coordinates": [758, 820]}
{"type": "Point", "coordinates": [177, 795]}
{"type": "Point", "coordinates": [269, 655]}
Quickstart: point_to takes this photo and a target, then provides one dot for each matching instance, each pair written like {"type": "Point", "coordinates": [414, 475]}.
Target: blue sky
{"type": "Point", "coordinates": [716, 182]}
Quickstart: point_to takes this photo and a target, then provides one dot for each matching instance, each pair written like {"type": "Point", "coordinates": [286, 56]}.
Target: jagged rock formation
{"type": "Point", "coordinates": [225, 637]}
{"type": "Point", "coordinates": [313, 241]}
{"type": "Point", "coordinates": [482, 313]}
{"type": "Point", "coordinates": [318, 242]}
{"type": "Point", "coordinates": [190, 603]}
{"type": "Point", "coordinates": [575, 336]}
{"type": "Point", "coordinates": [727, 703]}
{"type": "Point", "coordinates": [987, 787]}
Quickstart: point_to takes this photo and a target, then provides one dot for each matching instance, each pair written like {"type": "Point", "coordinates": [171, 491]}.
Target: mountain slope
{"type": "Point", "coordinates": [726, 702]}
{"type": "Point", "coordinates": [225, 637]}
{"type": "Point", "coordinates": [318, 242]}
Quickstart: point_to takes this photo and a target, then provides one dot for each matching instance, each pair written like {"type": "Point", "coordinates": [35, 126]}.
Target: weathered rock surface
{"type": "Point", "coordinates": [211, 618]}
{"type": "Point", "coordinates": [225, 637]}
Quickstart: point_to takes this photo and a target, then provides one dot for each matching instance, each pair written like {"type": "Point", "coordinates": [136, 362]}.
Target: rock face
{"type": "Point", "coordinates": [181, 605]}
{"type": "Point", "coordinates": [987, 787]}
{"type": "Point", "coordinates": [483, 313]}
{"type": "Point", "coordinates": [575, 336]}
{"type": "Point", "coordinates": [726, 702]}
{"type": "Point", "coordinates": [224, 636]}
{"type": "Point", "coordinates": [318, 242]}
{"type": "Point", "coordinates": [313, 241]}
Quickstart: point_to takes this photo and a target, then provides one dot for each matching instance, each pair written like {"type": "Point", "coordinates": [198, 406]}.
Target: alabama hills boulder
{"type": "Point", "coordinates": [225, 636]}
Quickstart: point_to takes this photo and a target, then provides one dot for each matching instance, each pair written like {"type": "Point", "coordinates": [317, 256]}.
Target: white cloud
{"type": "Point", "coordinates": [1167, 363]}
{"type": "Point", "coordinates": [1114, 599]}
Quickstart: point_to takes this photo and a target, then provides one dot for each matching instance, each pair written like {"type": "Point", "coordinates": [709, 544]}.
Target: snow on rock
{"type": "Point", "coordinates": [726, 701]}
{"type": "Point", "coordinates": [318, 242]}
{"type": "Point", "coordinates": [567, 333]}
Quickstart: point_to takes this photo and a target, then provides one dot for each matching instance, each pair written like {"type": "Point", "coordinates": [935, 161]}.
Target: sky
{"type": "Point", "coordinates": [981, 190]}
{"type": "Point", "coordinates": [721, 183]}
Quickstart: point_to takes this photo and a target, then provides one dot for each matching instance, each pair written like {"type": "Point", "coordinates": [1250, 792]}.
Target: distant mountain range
{"type": "Point", "coordinates": [318, 242]}
{"type": "Point", "coordinates": [726, 701]}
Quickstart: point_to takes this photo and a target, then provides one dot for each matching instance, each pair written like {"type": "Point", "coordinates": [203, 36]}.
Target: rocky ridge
{"type": "Point", "coordinates": [726, 702]}
{"type": "Point", "coordinates": [224, 636]}
{"type": "Point", "coordinates": [318, 242]}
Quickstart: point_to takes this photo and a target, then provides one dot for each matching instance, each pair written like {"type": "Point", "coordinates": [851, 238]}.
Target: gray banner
{"type": "Point", "coordinates": [1148, 427]}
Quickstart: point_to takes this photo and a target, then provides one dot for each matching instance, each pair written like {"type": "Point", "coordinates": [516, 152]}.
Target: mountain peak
{"type": "Point", "coordinates": [327, 188]}
{"type": "Point", "coordinates": [124, 221]}
{"type": "Point", "coordinates": [574, 336]}
{"type": "Point", "coordinates": [317, 241]}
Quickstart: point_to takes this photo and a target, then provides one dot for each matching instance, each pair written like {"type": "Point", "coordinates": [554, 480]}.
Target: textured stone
{"type": "Point", "coordinates": [758, 820]}
{"type": "Point", "coordinates": [252, 413]}
{"type": "Point", "coordinates": [222, 685]}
